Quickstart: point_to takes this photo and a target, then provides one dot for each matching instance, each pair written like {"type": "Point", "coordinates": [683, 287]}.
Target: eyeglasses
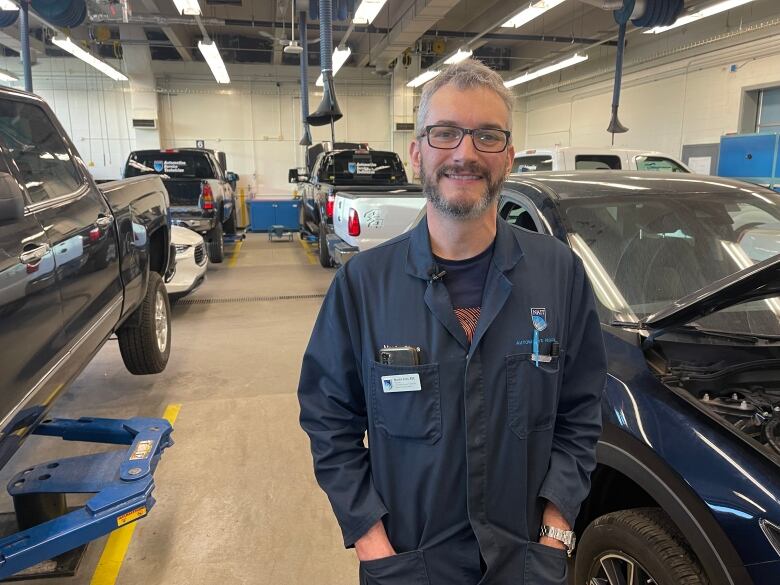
{"type": "Point", "coordinates": [484, 139]}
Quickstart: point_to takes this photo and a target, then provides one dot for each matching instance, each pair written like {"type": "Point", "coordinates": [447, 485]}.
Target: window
{"type": "Point", "coordinates": [768, 111]}
{"type": "Point", "coordinates": [518, 215]}
{"type": "Point", "coordinates": [363, 168]}
{"type": "Point", "coordinates": [176, 164]}
{"type": "Point", "coordinates": [594, 162]}
{"type": "Point", "coordinates": [39, 151]}
{"type": "Point", "coordinates": [528, 164]}
{"type": "Point", "coordinates": [658, 163]}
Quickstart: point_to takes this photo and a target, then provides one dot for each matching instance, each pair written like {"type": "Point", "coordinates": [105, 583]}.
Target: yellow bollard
{"type": "Point", "coordinates": [242, 208]}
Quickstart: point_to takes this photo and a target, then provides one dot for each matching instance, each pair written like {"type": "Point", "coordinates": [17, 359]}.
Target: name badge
{"type": "Point", "coordinates": [401, 383]}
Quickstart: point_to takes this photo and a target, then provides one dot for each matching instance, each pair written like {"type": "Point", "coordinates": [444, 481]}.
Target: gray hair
{"type": "Point", "coordinates": [468, 74]}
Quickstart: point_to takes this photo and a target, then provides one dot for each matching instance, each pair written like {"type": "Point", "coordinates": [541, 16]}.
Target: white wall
{"type": "Point", "coordinates": [692, 100]}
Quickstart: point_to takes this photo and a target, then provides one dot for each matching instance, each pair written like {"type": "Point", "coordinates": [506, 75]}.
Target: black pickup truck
{"type": "Point", "coordinates": [342, 170]}
{"type": "Point", "coordinates": [78, 264]}
{"type": "Point", "coordinates": [201, 191]}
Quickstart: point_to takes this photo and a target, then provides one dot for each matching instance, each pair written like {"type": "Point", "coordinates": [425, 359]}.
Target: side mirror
{"type": "Point", "coordinates": [232, 178]}
{"type": "Point", "coordinates": [296, 176]}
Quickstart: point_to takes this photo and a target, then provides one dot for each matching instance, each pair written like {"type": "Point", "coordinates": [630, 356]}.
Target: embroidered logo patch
{"type": "Point", "coordinates": [539, 319]}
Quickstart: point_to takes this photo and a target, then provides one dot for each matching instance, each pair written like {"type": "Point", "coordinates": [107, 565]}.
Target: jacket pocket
{"type": "Point", "coordinates": [402, 569]}
{"type": "Point", "coordinates": [406, 401]}
{"type": "Point", "coordinates": [532, 393]}
{"type": "Point", "coordinates": [545, 565]}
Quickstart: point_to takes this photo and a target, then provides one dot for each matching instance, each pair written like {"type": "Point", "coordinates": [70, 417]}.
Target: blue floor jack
{"type": "Point", "coordinates": [121, 480]}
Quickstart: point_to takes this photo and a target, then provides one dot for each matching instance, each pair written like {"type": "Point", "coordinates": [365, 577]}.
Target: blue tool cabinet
{"type": "Point", "coordinates": [751, 157]}
{"type": "Point", "coordinates": [263, 213]}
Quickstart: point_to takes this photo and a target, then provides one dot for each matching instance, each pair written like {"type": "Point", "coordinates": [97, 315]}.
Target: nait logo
{"type": "Point", "coordinates": [539, 319]}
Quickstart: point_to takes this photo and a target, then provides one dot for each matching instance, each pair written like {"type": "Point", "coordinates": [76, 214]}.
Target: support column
{"type": "Point", "coordinates": [403, 109]}
{"type": "Point", "coordinates": [143, 97]}
{"type": "Point", "coordinates": [24, 38]}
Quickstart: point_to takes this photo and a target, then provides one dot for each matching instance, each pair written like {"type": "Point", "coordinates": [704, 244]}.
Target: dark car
{"type": "Point", "coordinates": [355, 170]}
{"type": "Point", "coordinates": [78, 264]}
{"type": "Point", "coordinates": [687, 488]}
{"type": "Point", "coordinates": [201, 191]}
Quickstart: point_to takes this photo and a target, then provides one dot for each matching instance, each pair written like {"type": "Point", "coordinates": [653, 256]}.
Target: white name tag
{"type": "Point", "coordinates": [401, 383]}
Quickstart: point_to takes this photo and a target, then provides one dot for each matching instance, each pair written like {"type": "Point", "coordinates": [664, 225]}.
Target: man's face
{"type": "Point", "coordinates": [463, 182]}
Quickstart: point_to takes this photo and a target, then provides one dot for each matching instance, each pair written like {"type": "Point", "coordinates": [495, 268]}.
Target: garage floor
{"type": "Point", "coordinates": [236, 497]}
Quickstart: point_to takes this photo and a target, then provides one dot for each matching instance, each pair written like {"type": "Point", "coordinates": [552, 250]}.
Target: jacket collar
{"type": "Point", "coordinates": [419, 257]}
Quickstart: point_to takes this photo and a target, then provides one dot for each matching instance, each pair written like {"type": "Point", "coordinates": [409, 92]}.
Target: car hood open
{"type": "Point", "coordinates": [759, 281]}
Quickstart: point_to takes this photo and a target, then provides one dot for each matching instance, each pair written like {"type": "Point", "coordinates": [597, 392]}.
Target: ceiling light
{"type": "Point", "coordinates": [461, 55]}
{"type": "Point", "coordinates": [710, 10]}
{"type": "Point", "coordinates": [188, 7]}
{"type": "Point", "coordinates": [424, 77]}
{"type": "Point", "coordinates": [526, 77]}
{"type": "Point", "coordinates": [535, 10]}
{"type": "Point", "coordinates": [8, 5]}
{"type": "Point", "coordinates": [5, 76]}
{"type": "Point", "coordinates": [340, 57]}
{"type": "Point", "coordinates": [214, 60]}
{"type": "Point", "coordinates": [67, 45]}
{"type": "Point", "coordinates": [367, 11]}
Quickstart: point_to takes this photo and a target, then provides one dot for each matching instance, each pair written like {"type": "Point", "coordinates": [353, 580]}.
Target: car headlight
{"type": "Point", "coordinates": [181, 248]}
{"type": "Point", "coordinates": [772, 533]}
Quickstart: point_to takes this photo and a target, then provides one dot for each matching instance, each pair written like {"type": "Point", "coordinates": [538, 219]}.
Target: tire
{"type": "Point", "coordinates": [645, 538]}
{"type": "Point", "coordinates": [325, 260]}
{"type": "Point", "coordinates": [145, 347]}
{"type": "Point", "coordinates": [216, 245]}
{"type": "Point", "coordinates": [230, 223]}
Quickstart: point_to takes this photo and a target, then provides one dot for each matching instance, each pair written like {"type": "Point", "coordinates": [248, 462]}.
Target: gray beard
{"type": "Point", "coordinates": [461, 210]}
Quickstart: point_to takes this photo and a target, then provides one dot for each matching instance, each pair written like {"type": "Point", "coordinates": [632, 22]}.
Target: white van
{"type": "Point", "coordinates": [583, 158]}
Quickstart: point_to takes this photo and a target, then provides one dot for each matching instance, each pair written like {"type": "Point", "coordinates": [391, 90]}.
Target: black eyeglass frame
{"type": "Point", "coordinates": [427, 133]}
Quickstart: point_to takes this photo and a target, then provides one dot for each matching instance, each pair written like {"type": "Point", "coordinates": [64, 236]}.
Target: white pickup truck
{"type": "Point", "coordinates": [362, 220]}
{"type": "Point", "coordinates": [584, 158]}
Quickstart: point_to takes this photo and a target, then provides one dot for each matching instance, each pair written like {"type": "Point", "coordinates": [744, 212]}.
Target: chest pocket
{"type": "Point", "coordinates": [401, 410]}
{"type": "Point", "coordinates": [532, 393]}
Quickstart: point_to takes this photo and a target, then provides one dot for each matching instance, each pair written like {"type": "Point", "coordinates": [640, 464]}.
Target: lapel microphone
{"type": "Point", "coordinates": [436, 274]}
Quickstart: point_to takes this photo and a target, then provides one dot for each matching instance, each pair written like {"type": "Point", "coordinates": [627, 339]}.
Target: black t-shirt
{"type": "Point", "coordinates": [465, 281]}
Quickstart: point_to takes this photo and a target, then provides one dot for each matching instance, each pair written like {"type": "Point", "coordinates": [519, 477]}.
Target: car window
{"type": "Point", "coordinates": [517, 215]}
{"type": "Point", "coordinates": [363, 168]}
{"type": "Point", "coordinates": [593, 162]}
{"type": "Point", "coordinates": [39, 151]}
{"type": "Point", "coordinates": [658, 163]}
{"type": "Point", "coordinates": [527, 164]}
{"type": "Point", "coordinates": [175, 164]}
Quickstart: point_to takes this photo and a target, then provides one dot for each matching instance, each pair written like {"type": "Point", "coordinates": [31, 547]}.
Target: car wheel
{"type": "Point", "coordinates": [230, 223]}
{"type": "Point", "coordinates": [216, 245]}
{"type": "Point", "coordinates": [636, 546]}
{"type": "Point", "coordinates": [145, 345]}
{"type": "Point", "coordinates": [325, 260]}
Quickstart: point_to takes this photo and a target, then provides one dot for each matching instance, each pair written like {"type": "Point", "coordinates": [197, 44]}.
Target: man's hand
{"type": "Point", "coordinates": [374, 544]}
{"type": "Point", "coordinates": [553, 517]}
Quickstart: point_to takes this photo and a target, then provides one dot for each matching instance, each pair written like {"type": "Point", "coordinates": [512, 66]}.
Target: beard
{"type": "Point", "coordinates": [461, 210]}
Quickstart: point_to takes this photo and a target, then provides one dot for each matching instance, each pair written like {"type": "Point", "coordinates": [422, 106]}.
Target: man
{"type": "Point", "coordinates": [470, 352]}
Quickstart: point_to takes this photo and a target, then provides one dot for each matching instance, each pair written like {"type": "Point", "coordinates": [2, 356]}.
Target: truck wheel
{"type": "Point", "coordinates": [145, 348]}
{"type": "Point", "coordinates": [230, 224]}
{"type": "Point", "coordinates": [216, 245]}
{"type": "Point", "coordinates": [325, 260]}
{"type": "Point", "coordinates": [636, 546]}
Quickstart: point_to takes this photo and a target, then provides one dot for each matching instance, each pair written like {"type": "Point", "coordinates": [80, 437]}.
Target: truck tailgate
{"type": "Point", "coordinates": [183, 192]}
{"type": "Point", "coordinates": [382, 216]}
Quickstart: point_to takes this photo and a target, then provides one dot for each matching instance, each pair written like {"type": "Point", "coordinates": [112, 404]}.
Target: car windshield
{"type": "Point", "coordinates": [363, 168]}
{"type": "Point", "coordinates": [175, 164]}
{"type": "Point", "coordinates": [643, 251]}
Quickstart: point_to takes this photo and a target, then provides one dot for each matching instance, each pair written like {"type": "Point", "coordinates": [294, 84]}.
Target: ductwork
{"type": "Point", "coordinates": [306, 139]}
{"type": "Point", "coordinates": [605, 4]}
{"type": "Point", "coordinates": [328, 112]}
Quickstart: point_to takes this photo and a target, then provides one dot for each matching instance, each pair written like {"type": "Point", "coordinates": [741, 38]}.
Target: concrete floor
{"type": "Point", "coordinates": [236, 497]}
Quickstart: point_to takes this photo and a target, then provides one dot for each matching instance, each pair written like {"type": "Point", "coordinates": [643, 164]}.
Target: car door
{"type": "Point", "coordinates": [74, 216]}
{"type": "Point", "coordinates": [31, 338]}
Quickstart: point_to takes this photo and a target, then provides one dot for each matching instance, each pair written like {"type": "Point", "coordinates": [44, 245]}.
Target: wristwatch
{"type": "Point", "coordinates": [567, 537]}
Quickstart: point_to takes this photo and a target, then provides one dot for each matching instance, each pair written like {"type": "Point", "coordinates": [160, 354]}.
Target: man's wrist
{"type": "Point", "coordinates": [374, 544]}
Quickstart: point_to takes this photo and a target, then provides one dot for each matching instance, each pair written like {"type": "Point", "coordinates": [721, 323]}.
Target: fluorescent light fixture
{"type": "Point", "coordinates": [710, 10]}
{"type": "Point", "coordinates": [424, 77]}
{"type": "Point", "coordinates": [461, 55]}
{"type": "Point", "coordinates": [67, 45]}
{"type": "Point", "coordinates": [367, 11]}
{"type": "Point", "coordinates": [340, 57]}
{"type": "Point", "coordinates": [188, 7]}
{"type": "Point", "coordinates": [526, 77]}
{"type": "Point", "coordinates": [214, 60]}
{"type": "Point", "coordinates": [5, 76]}
{"type": "Point", "coordinates": [8, 5]}
{"type": "Point", "coordinates": [535, 10]}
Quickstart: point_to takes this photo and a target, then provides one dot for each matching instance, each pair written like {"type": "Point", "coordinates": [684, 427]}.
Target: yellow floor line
{"type": "Point", "coordinates": [309, 254]}
{"type": "Point", "coordinates": [234, 255]}
{"type": "Point", "coordinates": [118, 542]}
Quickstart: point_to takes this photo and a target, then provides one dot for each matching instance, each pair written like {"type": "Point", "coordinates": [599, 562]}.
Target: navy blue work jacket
{"type": "Point", "coordinates": [461, 465]}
